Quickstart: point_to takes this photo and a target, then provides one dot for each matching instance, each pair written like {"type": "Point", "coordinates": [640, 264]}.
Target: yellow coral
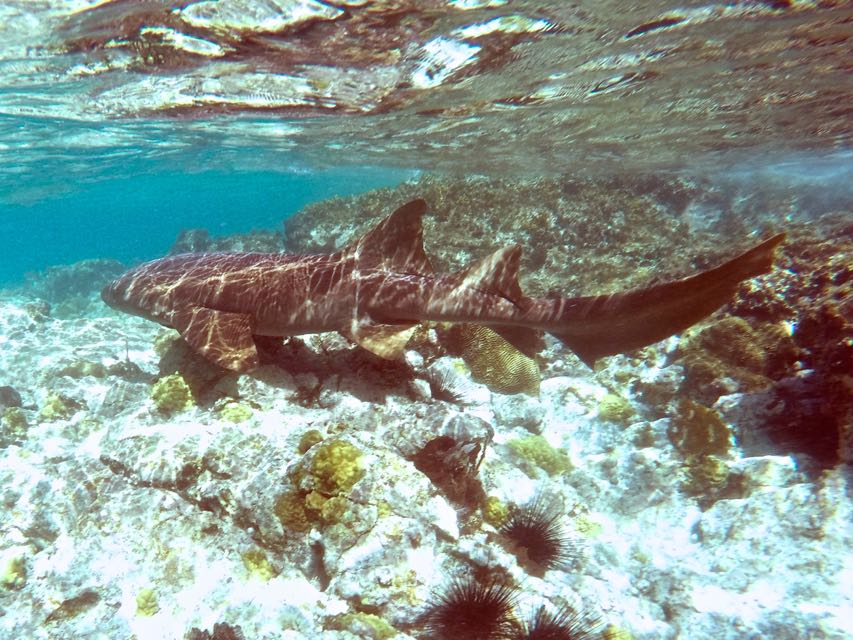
{"type": "Point", "coordinates": [615, 408]}
{"type": "Point", "coordinates": [171, 394]}
{"type": "Point", "coordinates": [696, 430]}
{"type": "Point", "coordinates": [257, 564]}
{"type": "Point", "coordinates": [290, 510]}
{"type": "Point", "coordinates": [235, 412]}
{"type": "Point", "coordinates": [336, 467]}
{"type": "Point", "coordinates": [14, 422]}
{"type": "Point", "coordinates": [146, 602]}
{"type": "Point", "coordinates": [308, 440]}
{"type": "Point", "coordinates": [58, 407]}
{"type": "Point", "coordinates": [364, 625]}
{"type": "Point", "coordinates": [706, 475]}
{"type": "Point", "coordinates": [495, 512]}
{"type": "Point", "coordinates": [535, 451]}
{"type": "Point", "coordinates": [14, 574]}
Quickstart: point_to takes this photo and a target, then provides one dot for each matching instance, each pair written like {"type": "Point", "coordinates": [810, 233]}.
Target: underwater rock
{"type": "Point", "coordinates": [200, 241]}
{"type": "Point", "coordinates": [579, 235]}
{"type": "Point", "coordinates": [221, 631]}
{"type": "Point", "coordinates": [79, 280]}
{"type": "Point", "coordinates": [452, 466]}
{"type": "Point", "coordinates": [9, 397]}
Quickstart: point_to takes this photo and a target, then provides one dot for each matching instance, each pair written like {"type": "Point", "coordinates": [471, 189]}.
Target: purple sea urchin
{"type": "Point", "coordinates": [564, 624]}
{"type": "Point", "coordinates": [473, 611]}
{"type": "Point", "coordinates": [536, 535]}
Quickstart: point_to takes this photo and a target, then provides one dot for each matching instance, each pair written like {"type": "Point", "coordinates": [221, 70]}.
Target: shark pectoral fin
{"type": "Point", "coordinates": [223, 338]}
{"type": "Point", "coordinates": [384, 340]}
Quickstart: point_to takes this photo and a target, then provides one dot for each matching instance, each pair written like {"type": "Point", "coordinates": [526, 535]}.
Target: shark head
{"type": "Point", "coordinates": [127, 294]}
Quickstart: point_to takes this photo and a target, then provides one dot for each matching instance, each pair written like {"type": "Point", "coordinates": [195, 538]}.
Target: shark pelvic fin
{"type": "Point", "coordinates": [384, 340]}
{"type": "Point", "coordinates": [221, 337]}
{"type": "Point", "coordinates": [395, 244]}
{"type": "Point", "coordinates": [496, 274]}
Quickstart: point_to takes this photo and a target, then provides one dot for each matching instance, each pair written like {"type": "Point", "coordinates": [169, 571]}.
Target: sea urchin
{"type": "Point", "coordinates": [536, 535]}
{"type": "Point", "coordinates": [564, 624]}
{"type": "Point", "coordinates": [473, 611]}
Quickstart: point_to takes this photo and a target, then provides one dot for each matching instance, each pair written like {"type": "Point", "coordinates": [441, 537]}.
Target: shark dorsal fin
{"type": "Point", "coordinates": [395, 244]}
{"type": "Point", "coordinates": [496, 274]}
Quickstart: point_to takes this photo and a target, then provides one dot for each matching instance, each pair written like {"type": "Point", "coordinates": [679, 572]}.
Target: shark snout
{"type": "Point", "coordinates": [115, 295]}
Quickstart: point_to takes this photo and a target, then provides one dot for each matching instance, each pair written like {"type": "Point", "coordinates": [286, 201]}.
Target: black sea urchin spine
{"type": "Point", "coordinates": [537, 537]}
{"type": "Point", "coordinates": [564, 624]}
{"type": "Point", "coordinates": [470, 610]}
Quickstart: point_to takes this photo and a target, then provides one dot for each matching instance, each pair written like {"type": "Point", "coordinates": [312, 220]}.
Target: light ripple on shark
{"type": "Point", "coordinates": [376, 290]}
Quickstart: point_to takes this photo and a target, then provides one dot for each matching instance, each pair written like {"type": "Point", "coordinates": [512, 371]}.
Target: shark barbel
{"type": "Point", "coordinates": [376, 290]}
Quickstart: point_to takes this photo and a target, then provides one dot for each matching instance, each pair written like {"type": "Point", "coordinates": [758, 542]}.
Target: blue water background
{"type": "Point", "coordinates": [138, 218]}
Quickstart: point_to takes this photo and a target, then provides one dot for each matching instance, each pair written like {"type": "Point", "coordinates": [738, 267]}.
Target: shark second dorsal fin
{"type": "Point", "coordinates": [496, 274]}
{"type": "Point", "coordinates": [395, 244]}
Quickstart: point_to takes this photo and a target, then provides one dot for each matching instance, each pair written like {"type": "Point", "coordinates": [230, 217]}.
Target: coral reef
{"type": "Point", "coordinates": [221, 631]}
{"type": "Point", "coordinates": [62, 284]}
{"type": "Point", "coordinates": [364, 625]}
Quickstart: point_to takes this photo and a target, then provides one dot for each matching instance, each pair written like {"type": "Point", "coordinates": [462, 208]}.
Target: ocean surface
{"type": "Point", "coordinates": [578, 367]}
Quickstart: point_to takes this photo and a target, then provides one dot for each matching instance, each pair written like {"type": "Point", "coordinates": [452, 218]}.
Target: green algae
{"type": "Point", "coordinates": [534, 452]}
{"type": "Point", "coordinates": [82, 368]}
{"type": "Point", "coordinates": [59, 407]}
{"type": "Point", "coordinates": [14, 423]}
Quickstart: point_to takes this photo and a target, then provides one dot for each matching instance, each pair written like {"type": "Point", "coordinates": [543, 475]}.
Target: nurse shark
{"type": "Point", "coordinates": [376, 290]}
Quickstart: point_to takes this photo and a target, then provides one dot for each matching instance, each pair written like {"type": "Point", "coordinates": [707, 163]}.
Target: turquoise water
{"type": "Point", "coordinates": [138, 218]}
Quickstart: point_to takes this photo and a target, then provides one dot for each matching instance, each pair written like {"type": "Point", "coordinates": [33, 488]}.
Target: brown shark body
{"type": "Point", "coordinates": [376, 290]}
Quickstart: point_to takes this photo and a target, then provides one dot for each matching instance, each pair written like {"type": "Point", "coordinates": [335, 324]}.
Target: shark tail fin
{"type": "Point", "coordinates": [599, 326]}
{"type": "Point", "coordinates": [496, 274]}
{"type": "Point", "coordinates": [395, 244]}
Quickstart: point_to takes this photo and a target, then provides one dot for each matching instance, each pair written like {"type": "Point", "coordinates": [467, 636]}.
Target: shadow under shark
{"type": "Point", "coordinates": [376, 290]}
